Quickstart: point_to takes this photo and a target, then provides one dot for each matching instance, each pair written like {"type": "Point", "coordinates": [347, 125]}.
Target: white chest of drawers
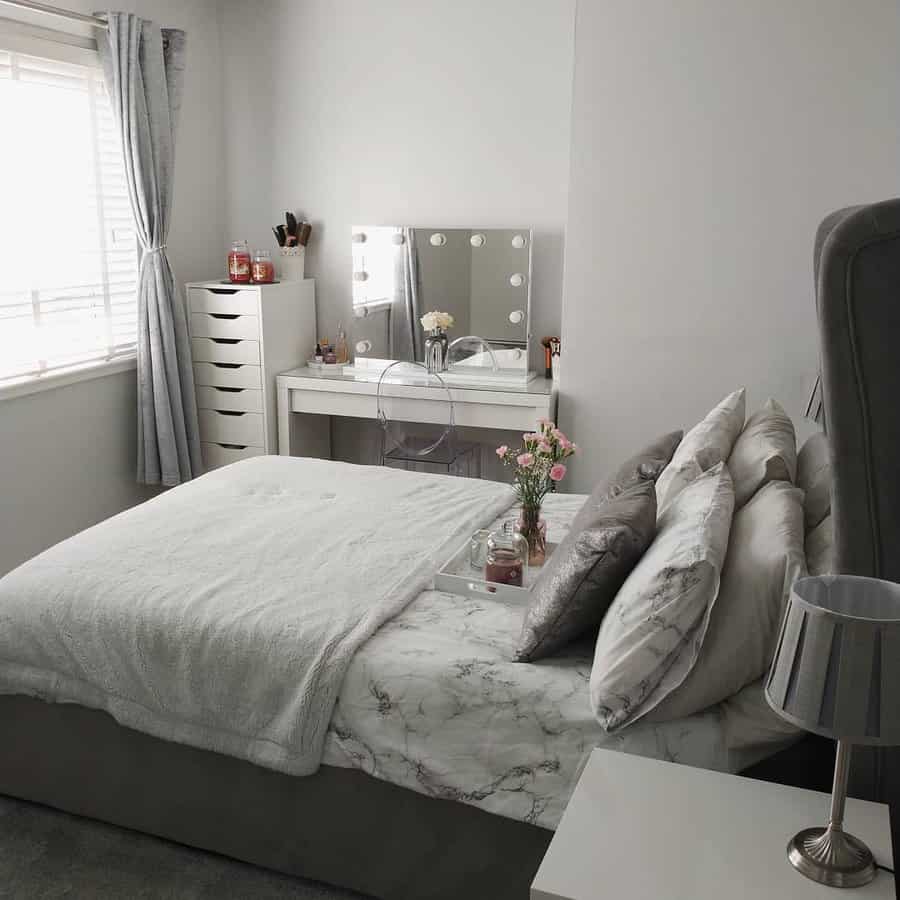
{"type": "Point", "coordinates": [242, 336]}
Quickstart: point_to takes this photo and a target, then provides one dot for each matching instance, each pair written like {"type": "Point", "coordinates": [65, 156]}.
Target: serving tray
{"type": "Point", "coordinates": [457, 576]}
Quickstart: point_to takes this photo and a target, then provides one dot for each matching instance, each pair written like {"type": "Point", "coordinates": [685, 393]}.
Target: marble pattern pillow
{"type": "Point", "coordinates": [649, 639]}
{"type": "Point", "coordinates": [766, 450]}
{"type": "Point", "coordinates": [581, 578]}
{"type": "Point", "coordinates": [765, 557]}
{"type": "Point", "coordinates": [814, 478]}
{"type": "Point", "coordinates": [707, 443]}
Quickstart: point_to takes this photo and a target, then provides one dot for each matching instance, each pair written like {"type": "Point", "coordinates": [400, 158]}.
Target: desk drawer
{"type": "Point", "coordinates": [230, 398]}
{"type": "Point", "coordinates": [228, 300]}
{"type": "Point", "coordinates": [225, 351]}
{"type": "Point", "coordinates": [224, 325]}
{"type": "Point", "coordinates": [222, 427]}
{"type": "Point", "coordinates": [217, 455]}
{"type": "Point", "coordinates": [222, 375]}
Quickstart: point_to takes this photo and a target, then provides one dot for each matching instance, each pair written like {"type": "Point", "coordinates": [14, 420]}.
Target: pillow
{"type": "Point", "coordinates": [750, 723]}
{"type": "Point", "coordinates": [814, 477]}
{"type": "Point", "coordinates": [765, 557]}
{"type": "Point", "coordinates": [581, 578]}
{"type": "Point", "coordinates": [646, 465]}
{"type": "Point", "coordinates": [820, 548]}
{"type": "Point", "coordinates": [766, 450]}
{"type": "Point", "coordinates": [707, 443]}
{"type": "Point", "coordinates": [643, 466]}
{"type": "Point", "coordinates": [649, 638]}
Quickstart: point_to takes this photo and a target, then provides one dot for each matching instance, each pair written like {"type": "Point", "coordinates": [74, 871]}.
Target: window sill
{"type": "Point", "coordinates": [35, 384]}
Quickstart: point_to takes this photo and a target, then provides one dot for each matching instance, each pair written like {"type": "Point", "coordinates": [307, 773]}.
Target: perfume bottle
{"type": "Point", "coordinates": [507, 556]}
{"type": "Point", "coordinates": [341, 351]}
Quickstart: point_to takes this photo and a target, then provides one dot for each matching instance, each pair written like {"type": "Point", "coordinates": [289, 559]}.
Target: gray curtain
{"type": "Point", "coordinates": [144, 69]}
{"type": "Point", "coordinates": [406, 336]}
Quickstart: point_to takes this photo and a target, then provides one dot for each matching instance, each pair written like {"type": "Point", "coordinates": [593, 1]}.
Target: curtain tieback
{"type": "Point", "coordinates": [155, 249]}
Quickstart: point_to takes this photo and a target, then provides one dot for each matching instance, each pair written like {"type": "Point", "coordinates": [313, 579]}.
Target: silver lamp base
{"type": "Point", "coordinates": [832, 857]}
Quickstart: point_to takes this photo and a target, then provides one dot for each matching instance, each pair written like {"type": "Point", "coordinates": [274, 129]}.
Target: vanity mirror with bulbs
{"type": "Point", "coordinates": [479, 276]}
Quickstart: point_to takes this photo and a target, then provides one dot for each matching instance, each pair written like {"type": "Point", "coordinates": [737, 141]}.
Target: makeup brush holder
{"type": "Point", "coordinates": [292, 262]}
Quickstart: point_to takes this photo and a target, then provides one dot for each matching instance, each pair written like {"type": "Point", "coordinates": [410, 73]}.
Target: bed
{"type": "Point", "coordinates": [396, 803]}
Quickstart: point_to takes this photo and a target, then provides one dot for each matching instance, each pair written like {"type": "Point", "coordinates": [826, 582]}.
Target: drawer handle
{"type": "Point", "coordinates": [223, 290]}
{"type": "Point", "coordinates": [225, 340]}
{"type": "Point", "coordinates": [227, 365]}
{"type": "Point", "coordinates": [233, 446]}
{"type": "Point", "coordinates": [223, 315]}
{"type": "Point", "coordinates": [229, 390]}
{"type": "Point", "coordinates": [230, 412]}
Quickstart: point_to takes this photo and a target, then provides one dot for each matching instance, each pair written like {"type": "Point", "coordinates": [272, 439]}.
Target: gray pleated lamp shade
{"type": "Point", "coordinates": [836, 670]}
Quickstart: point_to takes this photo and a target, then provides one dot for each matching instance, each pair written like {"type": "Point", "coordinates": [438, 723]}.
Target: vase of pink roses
{"type": "Point", "coordinates": [537, 468]}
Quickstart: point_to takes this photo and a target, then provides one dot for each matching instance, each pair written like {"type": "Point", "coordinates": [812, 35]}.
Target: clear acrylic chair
{"type": "Point", "coordinates": [404, 448]}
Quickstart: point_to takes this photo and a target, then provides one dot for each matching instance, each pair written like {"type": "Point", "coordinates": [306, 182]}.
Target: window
{"type": "Point", "coordinates": [68, 249]}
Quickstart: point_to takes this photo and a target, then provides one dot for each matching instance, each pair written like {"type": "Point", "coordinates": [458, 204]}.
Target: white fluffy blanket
{"type": "Point", "coordinates": [224, 613]}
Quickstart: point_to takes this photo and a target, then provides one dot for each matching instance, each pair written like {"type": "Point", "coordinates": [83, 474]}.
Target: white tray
{"type": "Point", "coordinates": [457, 576]}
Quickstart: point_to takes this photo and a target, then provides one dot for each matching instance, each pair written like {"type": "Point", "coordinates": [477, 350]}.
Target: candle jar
{"type": "Point", "coordinates": [263, 269]}
{"type": "Point", "coordinates": [507, 556]}
{"type": "Point", "coordinates": [239, 263]}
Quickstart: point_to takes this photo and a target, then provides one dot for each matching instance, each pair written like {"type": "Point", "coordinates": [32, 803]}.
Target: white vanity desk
{"type": "Point", "coordinates": [308, 397]}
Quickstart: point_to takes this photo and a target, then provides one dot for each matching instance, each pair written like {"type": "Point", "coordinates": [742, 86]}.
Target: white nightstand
{"type": "Point", "coordinates": [641, 829]}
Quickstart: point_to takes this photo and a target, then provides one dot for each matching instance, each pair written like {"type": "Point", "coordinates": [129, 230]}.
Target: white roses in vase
{"type": "Point", "coordinates": [436, 321]}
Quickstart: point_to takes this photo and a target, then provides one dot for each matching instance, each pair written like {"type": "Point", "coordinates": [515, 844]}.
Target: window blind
{"type": "Point", "coordinates": [68, 249]}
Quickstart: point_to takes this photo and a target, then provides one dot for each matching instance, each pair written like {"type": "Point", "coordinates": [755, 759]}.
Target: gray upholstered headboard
{"type": "Point", "coordinates": [857, 269]}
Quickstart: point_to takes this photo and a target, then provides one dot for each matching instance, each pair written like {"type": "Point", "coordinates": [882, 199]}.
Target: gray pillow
{"type": "Point", "coordinates": [647, 465]}
{"type": "Point", "coordinates": [579, 582]}
{"type": "Point", "coordinates": [584, 575]}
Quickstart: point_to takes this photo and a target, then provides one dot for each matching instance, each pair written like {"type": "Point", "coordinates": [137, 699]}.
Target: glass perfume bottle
{"type": "Point", "coordinates": [507, 556]}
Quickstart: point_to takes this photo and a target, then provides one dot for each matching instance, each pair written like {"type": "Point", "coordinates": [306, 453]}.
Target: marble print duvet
{"type": "Point", "coordinates": [434, 703]}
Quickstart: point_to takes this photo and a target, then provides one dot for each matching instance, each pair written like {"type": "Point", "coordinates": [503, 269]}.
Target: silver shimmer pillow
{"type": "Point", "coordinates": [580, 580]}
{"type": "Point", "coordinates": [570, 597]}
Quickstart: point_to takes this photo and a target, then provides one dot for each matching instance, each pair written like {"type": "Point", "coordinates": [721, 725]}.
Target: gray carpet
{"type": "Point", "coordinates": [46, 854]}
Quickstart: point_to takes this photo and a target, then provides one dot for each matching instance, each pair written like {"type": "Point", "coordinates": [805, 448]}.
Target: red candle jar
{"type": "Point", "coordinates": [239, 263]}
{"type": "Point", "coordinates": [507, 556]}
{"type": "Point", "coordinates": [263, 269]}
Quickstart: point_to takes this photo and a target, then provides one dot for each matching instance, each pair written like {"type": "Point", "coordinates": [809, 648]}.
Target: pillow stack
{"type": "Point", "coordinates": [765, 557]}
{"type": "Point", "coordinates": [688, 612]}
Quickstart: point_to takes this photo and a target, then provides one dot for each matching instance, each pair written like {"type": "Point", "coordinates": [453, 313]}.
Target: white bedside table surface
{"type": "Point", "coordinates": [642, 829]}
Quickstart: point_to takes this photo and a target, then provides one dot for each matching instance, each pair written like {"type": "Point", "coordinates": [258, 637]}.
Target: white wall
{"type": "Point", "coordinates": [709, 139]}
{"type": "Point", "coordinates": [68, 455]}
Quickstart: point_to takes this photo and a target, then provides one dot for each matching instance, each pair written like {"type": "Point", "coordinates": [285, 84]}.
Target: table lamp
{"type": "Point", "coordinates": [836, 673]}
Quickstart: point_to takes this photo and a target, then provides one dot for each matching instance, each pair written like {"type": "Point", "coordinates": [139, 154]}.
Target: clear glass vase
{"type": "Point", "coordinates": [534, 529]}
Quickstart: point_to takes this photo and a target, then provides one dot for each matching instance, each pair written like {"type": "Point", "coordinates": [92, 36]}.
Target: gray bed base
{"type": "Point", "coordinates": [339, 826]}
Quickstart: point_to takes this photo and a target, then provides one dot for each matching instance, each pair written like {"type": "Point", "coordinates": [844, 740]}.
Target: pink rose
{"type": "Point", "coordinates": [529, 437]}
{"type": "Point", "coordinates": [544, 447]}
{"type": "Point", "coordinates": [558, 472]}
{"type": "Point", "coordinates": [559, 435]}
{"type": "Point", "coordinates": [565, 443]}
{"type": "Point", "coordinates": [525, 459]}
{"type": "Point", "coordinates": [502, 451]}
